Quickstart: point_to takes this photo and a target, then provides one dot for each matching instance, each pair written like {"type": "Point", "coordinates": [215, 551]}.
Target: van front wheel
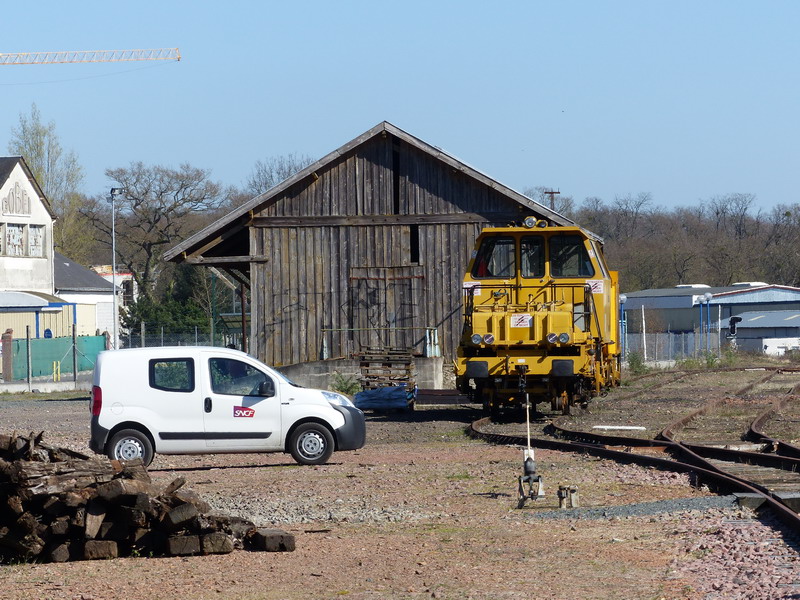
{"type": "Point", "coordinates": [130, 444]}
{"type": "Point", "coordinates": [311, 444]}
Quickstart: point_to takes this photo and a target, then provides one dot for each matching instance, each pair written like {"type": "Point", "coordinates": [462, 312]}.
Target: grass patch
{"type": "Point", "coordinates": [66, 395]}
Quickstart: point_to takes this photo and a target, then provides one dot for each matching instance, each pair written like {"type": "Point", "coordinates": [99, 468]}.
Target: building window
{"type": "Point", "coordinates": [17, 239]}
{"type": "Point", "coordinates": [414, 245]}
{"type": "Point", "coordinates": [15, 235]}
{"type": "Point", "coordinates": [36, 240]}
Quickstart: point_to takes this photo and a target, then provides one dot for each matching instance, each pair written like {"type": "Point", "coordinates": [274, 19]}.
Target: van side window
{"type": "Point", "coordinates": [172, 374]}
{"type": "Point", "coordinates": [234, 377]}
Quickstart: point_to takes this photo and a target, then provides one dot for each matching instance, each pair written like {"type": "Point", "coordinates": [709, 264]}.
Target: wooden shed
{"type": "Point", "coordinates": [364, 248]}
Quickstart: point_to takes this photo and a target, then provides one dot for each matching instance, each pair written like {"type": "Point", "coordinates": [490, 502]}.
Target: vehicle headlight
{"type": "Point", "coordinates": [476, 338]}
{"type": "Point", "coordinates": [552, 338]}
{"type": "Point", "coordinates": [488, 339]}
{"type": "Point", "coordinates": [564, 338]}
{"type": "Point", "coordinates": [338, 399]}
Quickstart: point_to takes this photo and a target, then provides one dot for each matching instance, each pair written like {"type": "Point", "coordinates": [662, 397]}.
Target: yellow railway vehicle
{"type": "Point", "coordinates": [541, 318]}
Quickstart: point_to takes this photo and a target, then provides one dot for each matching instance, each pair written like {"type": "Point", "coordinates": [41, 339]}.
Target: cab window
{"type": "Point", "coordinates": [234, 377]}
{"type": "Point", "coordinates": [531, 256]}
{"type": "Point", "coordinates": [569, 258]}
{"type": "Point", "coordinates": [598, 252]}
{"type": "Point", "coordinates": [495, 259]}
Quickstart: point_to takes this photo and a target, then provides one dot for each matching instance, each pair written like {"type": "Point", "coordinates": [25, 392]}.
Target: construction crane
{"type": "Point", "coordinates": [87, 56]}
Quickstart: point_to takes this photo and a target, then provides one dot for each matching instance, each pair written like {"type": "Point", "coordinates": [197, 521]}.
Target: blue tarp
{"type": "Point", "coordinates": [386, 398]}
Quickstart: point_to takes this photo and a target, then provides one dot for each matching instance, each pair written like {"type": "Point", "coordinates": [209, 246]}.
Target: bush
{"type": "Point", "coordinates": [636, 364]}
{"type": "Point", "coordinates": [704, 360]}
{"type": "Point", "coordinates": [345, 384]}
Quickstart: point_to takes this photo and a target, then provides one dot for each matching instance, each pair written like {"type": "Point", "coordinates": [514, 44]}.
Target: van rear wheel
{"type": "Point", "coordinates": [130, 444]}
{"type": "Point", "coordinates": [311, 444]}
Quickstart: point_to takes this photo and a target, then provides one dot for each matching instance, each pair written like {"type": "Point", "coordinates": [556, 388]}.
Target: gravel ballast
{"type": "Point", "coordinates": [424, 512]}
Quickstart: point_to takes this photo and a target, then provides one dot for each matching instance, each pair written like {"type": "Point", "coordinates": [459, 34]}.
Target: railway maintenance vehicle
{"type": "Point", "coordinates": [541, 319]}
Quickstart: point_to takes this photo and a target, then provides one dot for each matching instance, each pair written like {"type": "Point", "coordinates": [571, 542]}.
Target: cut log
{"type": "Point", "coordinates": [100, 550]}
{"type": "Point", "coordinates": [111, 490]}
{"type": "Point", "coordinates": [95, 514]}
{"type": "Point", "coordinates": [180, 517]}
{"type": "Point", "coordinates": [270, 540]}
{"type": "Point", "coordinates": [60, 526]}
{"type": "Point", "coordinates": [217, 543]}
{"type": "Point", "coordinates": [183, 545]}
{"type": "Point", "coordinates": [60, 553]}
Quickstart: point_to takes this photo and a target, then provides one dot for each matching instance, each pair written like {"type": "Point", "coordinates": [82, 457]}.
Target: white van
{"type": "Point", "coordinates": [197, 400]}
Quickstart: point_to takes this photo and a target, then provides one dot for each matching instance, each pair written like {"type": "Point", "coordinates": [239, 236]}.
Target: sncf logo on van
{"type": "Point", "coordinates": [243, 411]}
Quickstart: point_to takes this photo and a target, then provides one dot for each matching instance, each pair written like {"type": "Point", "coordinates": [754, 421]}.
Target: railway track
{"type": "Point", "coordinates": [744, 457]}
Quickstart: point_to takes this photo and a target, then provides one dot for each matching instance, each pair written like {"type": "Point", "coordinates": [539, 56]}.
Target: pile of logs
{"type": "Point", "coordinates": [59, 505]}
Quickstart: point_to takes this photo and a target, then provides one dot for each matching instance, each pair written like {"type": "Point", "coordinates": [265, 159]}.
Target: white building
{"type": "Point", "coordinates": [41, 291]}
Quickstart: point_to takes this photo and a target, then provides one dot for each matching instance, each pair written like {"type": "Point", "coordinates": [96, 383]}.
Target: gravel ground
{"type": "Point", "coordinates": [424, 512]}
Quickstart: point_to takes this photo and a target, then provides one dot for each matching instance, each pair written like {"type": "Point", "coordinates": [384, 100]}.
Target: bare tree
{"type": "Point", "coordinates": [275, 169]}
{"type": "Point", "coordinates": [60, 176]}
{"type": "Point", "coordinates": [628, 211]}
{"type": "Point", "coordinates": [158, 207]}
{"type": "Point", "coordinates": [562, 204]}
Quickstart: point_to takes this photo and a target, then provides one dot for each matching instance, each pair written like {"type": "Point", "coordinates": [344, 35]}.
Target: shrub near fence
{"type": "Point", "coordinates": [47, 351]}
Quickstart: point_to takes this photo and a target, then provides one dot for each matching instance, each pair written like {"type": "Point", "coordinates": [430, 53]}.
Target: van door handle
{"type": "Point", "coordinates": [207, 405]}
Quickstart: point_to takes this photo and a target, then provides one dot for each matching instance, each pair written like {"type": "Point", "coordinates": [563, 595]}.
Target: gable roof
{"type": "Point", "coordinates": [233, 221]}
{"type": "Point", "coordinates": [7, 164]}
{"type": "Point", "coordinates": [72, 277]}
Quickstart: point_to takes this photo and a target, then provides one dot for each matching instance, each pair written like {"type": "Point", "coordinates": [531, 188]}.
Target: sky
{"type": "Point", "coordinates": [684, 100]}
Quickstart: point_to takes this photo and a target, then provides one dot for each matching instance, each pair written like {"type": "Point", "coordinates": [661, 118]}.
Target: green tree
{"type": "Point", "coordinates": [60, 176]}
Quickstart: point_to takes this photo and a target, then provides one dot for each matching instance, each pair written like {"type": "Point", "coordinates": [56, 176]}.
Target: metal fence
{"type": "Point", "coordinates": [150, 335]}
{"type": "Point", "coordinates": [655, 347]}
{"type": "Point", "coordinates": [54, 358]}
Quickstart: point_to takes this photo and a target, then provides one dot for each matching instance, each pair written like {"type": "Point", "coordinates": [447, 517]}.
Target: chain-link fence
{"type": "Point", "coordinates": [658, 347]}
{"type": "Point", "coordinates": [150, 335]}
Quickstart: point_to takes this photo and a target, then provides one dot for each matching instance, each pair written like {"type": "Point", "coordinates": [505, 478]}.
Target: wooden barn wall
{"type": "Point", "coordinates": [362, 276]}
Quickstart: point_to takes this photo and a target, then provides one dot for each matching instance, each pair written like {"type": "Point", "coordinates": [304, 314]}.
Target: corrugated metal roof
{"type": "Point", "coordinates": [22, 300]}
{"type": "Point", "coordinates": [769, 319]}
{"type": "Point", "coordinates": [727, 292]}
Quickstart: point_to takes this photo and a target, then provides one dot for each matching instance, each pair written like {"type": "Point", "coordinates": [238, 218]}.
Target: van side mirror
{"type": "Point", "coordinates": [266, 388]}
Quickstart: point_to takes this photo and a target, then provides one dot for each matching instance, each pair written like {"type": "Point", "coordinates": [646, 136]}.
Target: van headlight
{"type": "Point", "coordinates": [338, 399]}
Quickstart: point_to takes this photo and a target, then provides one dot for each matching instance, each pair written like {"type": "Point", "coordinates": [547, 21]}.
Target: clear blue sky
{"type": "Point", "coordinates": [683, 99]}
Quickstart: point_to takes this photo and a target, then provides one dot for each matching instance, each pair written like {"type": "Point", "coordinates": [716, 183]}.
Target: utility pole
{"type": "Point", "coordinates": [552, 194]}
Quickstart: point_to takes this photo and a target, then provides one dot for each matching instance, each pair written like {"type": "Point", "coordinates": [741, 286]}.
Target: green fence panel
{"type": "Point", "coordinates": [46, 352]}
{"type": "Point", "coordinates": [88, 349]}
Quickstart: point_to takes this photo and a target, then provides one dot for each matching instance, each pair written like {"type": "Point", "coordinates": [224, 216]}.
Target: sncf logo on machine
{"type": "Point", "coordinates": [243, 411]}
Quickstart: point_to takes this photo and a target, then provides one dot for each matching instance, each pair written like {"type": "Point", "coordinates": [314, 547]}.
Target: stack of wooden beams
{"type": "Point", "coordinates": [382, 367]}
{"type": "Point", "coordinates": [59, 505]}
